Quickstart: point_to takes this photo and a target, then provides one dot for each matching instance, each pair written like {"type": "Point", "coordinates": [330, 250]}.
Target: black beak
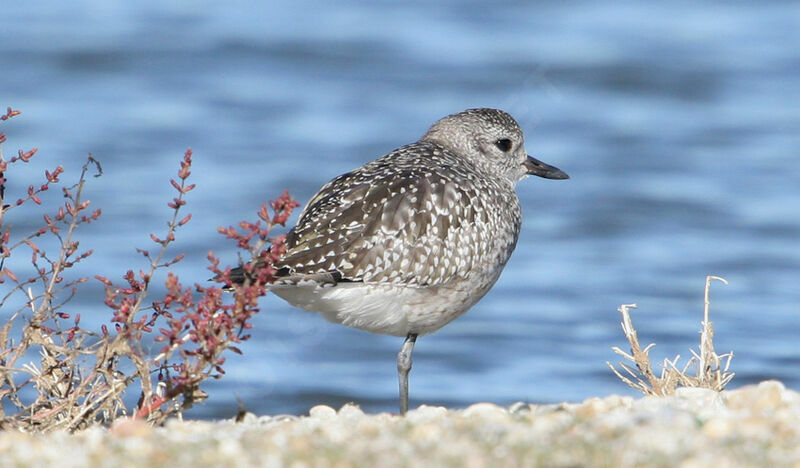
{"type": "Point", "coordinates": [538, 168]}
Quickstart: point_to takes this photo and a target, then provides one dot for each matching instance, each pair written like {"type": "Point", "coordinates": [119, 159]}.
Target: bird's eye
{"type": "Point", "coordinates": [504, 144]}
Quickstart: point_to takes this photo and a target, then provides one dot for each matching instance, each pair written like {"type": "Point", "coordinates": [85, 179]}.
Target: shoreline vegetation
{"type": "Point", "coordinates": [59, 374]}
{"type": "Point", "coordinates": [67, 391]}
{"type": "Point", "coordinates": [711, 370]}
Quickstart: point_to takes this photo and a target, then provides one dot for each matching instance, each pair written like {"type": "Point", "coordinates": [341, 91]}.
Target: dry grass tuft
{"type": "Point", "coordinates": [711, 369]}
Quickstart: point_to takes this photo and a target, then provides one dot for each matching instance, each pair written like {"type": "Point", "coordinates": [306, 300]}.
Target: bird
{"type": "Point", "coordinates": [407, 243]}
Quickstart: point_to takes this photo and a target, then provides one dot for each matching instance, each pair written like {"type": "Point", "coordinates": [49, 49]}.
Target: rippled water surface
{"type": "Point", "coordinates": [679, 125]}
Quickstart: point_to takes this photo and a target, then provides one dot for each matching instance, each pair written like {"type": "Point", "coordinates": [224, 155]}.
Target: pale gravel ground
{"type": "Point", "coordinates": [752, 426]}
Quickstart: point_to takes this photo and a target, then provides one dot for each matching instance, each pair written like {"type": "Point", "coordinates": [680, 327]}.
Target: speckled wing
{"type": "Point", "coordinates": [411, 217]}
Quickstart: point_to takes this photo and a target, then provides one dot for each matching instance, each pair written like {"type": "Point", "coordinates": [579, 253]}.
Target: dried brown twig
{"type": "Point", "coordinates": [711, 369]}
{"type": "Point", "coordinates": [85, 377]}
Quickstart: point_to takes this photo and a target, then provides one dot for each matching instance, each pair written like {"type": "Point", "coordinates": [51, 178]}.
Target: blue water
{"type": "Point", "coordinates": [679, 124]}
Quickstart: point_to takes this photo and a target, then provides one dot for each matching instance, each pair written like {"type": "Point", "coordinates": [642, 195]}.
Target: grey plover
{"type": "Point", "coordinates": [407, 243]}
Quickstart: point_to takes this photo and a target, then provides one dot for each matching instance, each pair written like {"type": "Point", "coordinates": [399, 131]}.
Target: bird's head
{"type": "Point", "coordinates": [492, 140]}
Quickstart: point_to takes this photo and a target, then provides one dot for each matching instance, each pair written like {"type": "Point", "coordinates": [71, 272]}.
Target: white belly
{"type": "Point", "coordinates": [382, 308]}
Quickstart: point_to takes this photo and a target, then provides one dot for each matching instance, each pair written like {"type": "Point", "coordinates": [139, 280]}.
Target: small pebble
{"type": "Point", "coordinates": [486, 411]}
{"type": "Point", "coordinates": [128, 427]}
{"type": "Point", "coordinates": [351, 411]}
{"type": "Point", "coordinates": [425, 413]}
{"type": "Point", "coordinates": [718, 428]}
{"type": "Point", "coordinates": [322, 412]}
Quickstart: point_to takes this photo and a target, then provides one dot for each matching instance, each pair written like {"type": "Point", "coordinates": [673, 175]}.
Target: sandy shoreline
{"type": "Point", "coordinates": [757, 425]}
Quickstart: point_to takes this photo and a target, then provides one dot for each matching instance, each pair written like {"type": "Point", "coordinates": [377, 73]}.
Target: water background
{"type": "Point", "coordinates": [679, 124]}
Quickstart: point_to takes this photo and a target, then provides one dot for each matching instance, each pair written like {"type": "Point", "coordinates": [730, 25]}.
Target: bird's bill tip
{"type": "Point", "coordinates": [535, 167]}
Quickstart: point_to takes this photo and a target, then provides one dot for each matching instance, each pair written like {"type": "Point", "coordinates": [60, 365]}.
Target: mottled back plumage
{"type": "Point", "coordinates": [419, 216]}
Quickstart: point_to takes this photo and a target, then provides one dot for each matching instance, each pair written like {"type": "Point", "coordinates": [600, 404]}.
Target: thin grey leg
{"type": "Point", "coordinates": [403, 367]}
